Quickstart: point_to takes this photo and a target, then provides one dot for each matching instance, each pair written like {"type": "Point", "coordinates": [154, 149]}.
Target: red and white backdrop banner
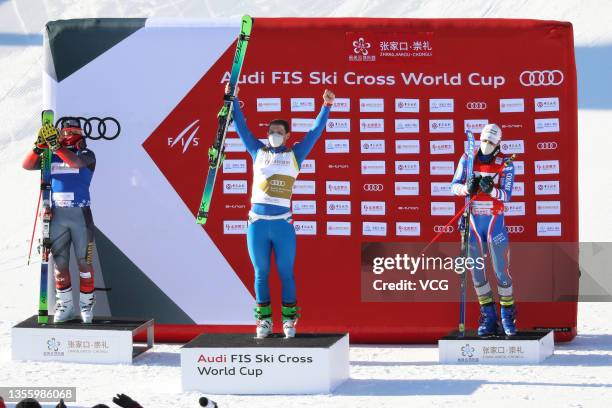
{"type": "Point", "coordinates": [406, 92]}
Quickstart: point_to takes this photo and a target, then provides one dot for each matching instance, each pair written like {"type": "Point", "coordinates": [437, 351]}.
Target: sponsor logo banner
{"type": "Point", "coordinates": [341, 105]}
{"type": "Point", "coordinates": [371, 125]}
{"type": "Point", "coordinates": [234, 227]}
{"type": "Point", "coordinates": [268, 104]}
{"type": "Point", "coordinates": [305, 227]}
{"type": "Point", "coordinates": [441, 147]}
{"type": "Point", "coordinates": [338, 125]}
{"type": "Point", "coordinates": [546, 104]}
{"type": "Point", "coordinates": [546, 125]}
{"type": "Point", "coordinates": [373, 167]}
{"type": "Point", "coordinates": [514, 208]}
{"type": "Point", "coordinates": [371, 187]}
{"type": "Point", "coordinates": [512, 105]}
{"type": "Point", "coordinates": [301, 124]}
{"type": "Point", "coordinates": [547, 145]}
{"type": "Point", "coordinates": [474, 125]}
{"type": "Point", "coordinates": [405, 105]}
{"type": "Point", "coordinates": [518, 188]}
{"type": "Point", "coordinates": [441, 126]}
{"type": "Point", "coordinates": [549, 229]}
{"type": "Point", "coordinates": [374, 228]}
{"type": "Point", "coordinates": [406, 167]}
{"type": "Point", "coordinates": [304, 206]}
{"type": "Point", "coordinates": [338, 228]}
{"type": "Point", "coordinates": [234, 166]}
{"type": "Point", "coordinates": [512, 146]}
{"type": "Point", "coordinates": [406, 126]}
{"type": "Point", "coordinates": [441, 105]}
{"type": "Point", "coordinates": [234, 186]}
{"type": "Point", "coordinates": [338, 187]}
{"type": "Point", "coordinates": [304, 187]}
{"type": "Point", "coordinates": [442, 208]}
{"type": "Point", "coordinates": [336, 145]}
{"type": "Point", "coordinates": [233, 144]}
{"type": "Point", "coordinates": [406, 188]}
{"type": "Point", "coordinates": [407, 147]}
{"type": "Point", "coordinates": [548, 207]}
{"type": "Point", "coordinates": [372, 208]}
{"type": "Point", "coordinates": [476, 105]}
{"type": "Point", "coordinates": [519, 167]}
{"type": "Point", "coordinates": [338, 207]}
{"type": "Point", "coordinates": [373, 146]}
{"type": "Point", "coordinates": [547, 167]}
{"type": "Point", "coordinates": [547, 187]}
{"type": "Point", "coordinates": [308, 166]}
{"type": "Point", "coordinates": [441, 168]}
{"type": "Point", "coordinates": [441, 189]}
{"type": "Point", "coordinates": [302, 104]}
{"type": "Point", "coordinates": [408, 229]}
{"type": "Point", "coordinates": [371, 105]}
{"type": "Point", "coordinates": [549, 77]}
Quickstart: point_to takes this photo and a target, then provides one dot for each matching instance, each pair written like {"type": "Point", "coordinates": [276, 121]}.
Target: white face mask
{"type": "Point", "coordinates": [276, 139]}
{"type": "Point", "coordinates": [487, 148]}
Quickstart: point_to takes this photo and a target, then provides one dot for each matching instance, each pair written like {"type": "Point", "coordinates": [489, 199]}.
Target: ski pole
{"type": "Point", "coordinates": [34, 228]}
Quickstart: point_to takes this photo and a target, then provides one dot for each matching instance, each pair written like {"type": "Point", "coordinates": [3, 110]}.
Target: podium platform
{"type": "Point", "coordinates": [242, 364]}
{"type": "Point", "coordinates": [527, 347]}
{"type": "Point", "coordinates": [107, 340]}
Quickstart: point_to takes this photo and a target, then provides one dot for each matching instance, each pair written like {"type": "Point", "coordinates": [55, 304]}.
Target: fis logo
{"type": "Point", "coordinates": [187, 137]}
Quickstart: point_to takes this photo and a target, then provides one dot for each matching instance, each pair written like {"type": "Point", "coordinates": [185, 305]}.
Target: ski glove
{"type": "Point", "coordinates": [50, 134]}
{"type": "Point", "coordinates": [126, 402]}
{"type": "Point", "coordinates": [472, 184]}
{"type": "Point", "coordinates": [486, 184]}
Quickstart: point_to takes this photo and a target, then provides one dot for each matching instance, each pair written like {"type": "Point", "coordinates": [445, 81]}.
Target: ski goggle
{"type": "Point", "coordinates": [70, 136]}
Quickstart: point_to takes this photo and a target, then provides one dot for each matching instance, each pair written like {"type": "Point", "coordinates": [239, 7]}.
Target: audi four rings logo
{"type": "Point", "coordinates": [515, 229]}
{"type": "Point", "coordinates": [547, 145]}
{"type": "Point", "coordinates": [373, 187]}
{"type": "Point", "coordinates": [103, 125]}
{"type": "Point", "coordinates": [447, 229]}
{"type": "Point", "coordinates": [541, 78]}
{"type": "Point", "coordinates": [476, 105]}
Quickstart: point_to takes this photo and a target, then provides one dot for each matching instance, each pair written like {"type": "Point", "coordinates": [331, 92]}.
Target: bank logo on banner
{"type": "Point", "coordinates": [304, 187]}
{"type": "Point", "coordinates": [373, 146]}
{"type": "Point", "coordinates": [302, 104]}
{"type": "Point", "coordinates": [308, 166]}
{"type": "Point", "coordinates": [371, 105]}
{"type": "Point", "coordinates": [405, 105]}
{"type": "Point", "coordinates": [519, 167]}
{"type": "Point", "coordinates": [549, 229]}
{"type": "Point", "coordinates": [406, 188]}
{"type": "Point", "coordinates": [407, 147]}
{"type": "Point", "coordinates": [268, 104]}
{"type": "Point", "coordinates": [442, 208]}
{"type": "Point", "coordinates": [233, 144]}
{"type": "Point", "coordinates": [336, 145]}
{"type": "Point", "coordinates": [234, 227]}
{"type": "Point", "coordinates": [441, 126]}
{"type": "Point", "coordinates": [474, 125]}
{"type": "Point", "coordinates": [512, 105]}
{"type": "Point", "coordinates": [304, 206]}
{"type": "Point", "coordinates": [372, 208]}
{"type": "Point", "coordinates": [441, 168]}
{"type": "Point", "coordinates": [546, 125]}
{"type": "Point", "coordinates": [301, 124]}
{"type": "Point", "coordinates": [406, 167]}
{"type": "Point", "coordinates": [338, 125]}
{"type": "Point", "coordinates": [547, 167]}
{"type": "Point", "coordinates": [234, 166]}
{"type": "Point", "coordinates": [512, 146]}
{"type": "Point", "coordinates": [518, 188]}
{"type": "Point", "coordinates": [338, 228]}
{"type": "Point", "coordinates": [341, 105]}
{"type": "Point", "coordinates": [441, 146]}
{"type": "Point", "coordinates": [338, 207]}
{"type": "Point", "coordinates": [338, 187]}
{"type": "Point", "coordinates": [371, 125]}
{"type": "Point", "coordinates": [408, 229]}
{"type": "Point", "coordinates": [552, 77]}
{"type": "Point", "coordinates": [234, 186]}
{"type": "Point", "coordinates": [373, 167]}
{"type": "Point", "coordinates": [374, 228]}
{"type": "Point", "coordinates": [548, 187]}
{"type": "Point", "coordinates": [546, 104]}
{"type": "Point", "coordinates": [441, 189]}
{"type": "Point", "coordinates": [514, 208]}
{"type": "Point", "coordinates": [305, 227]}
{"type": "Point", "coordinates": [441, 105]}
{"type": "Point", "coordinates": [548, 207]}
{"type": "Point", "coordinates": [406, 126]}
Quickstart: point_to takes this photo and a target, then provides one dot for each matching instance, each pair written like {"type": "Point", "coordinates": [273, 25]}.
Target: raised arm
{"type": "Point", "coordinates": [251, 143]}
{"type": "Point", "coordinates": [303, 148]}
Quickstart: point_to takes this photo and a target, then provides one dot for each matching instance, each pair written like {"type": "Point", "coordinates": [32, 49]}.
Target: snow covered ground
{"type": "Point", "coordinates": [580, 374]}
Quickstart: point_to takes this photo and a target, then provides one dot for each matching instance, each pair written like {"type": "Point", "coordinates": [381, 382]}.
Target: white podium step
{"type": "Point", "coordinates": [107, 340]}
{"type": "Point", "coordinates": [527, 347]}
{"type": "Point", "coordinates": [242, 364]}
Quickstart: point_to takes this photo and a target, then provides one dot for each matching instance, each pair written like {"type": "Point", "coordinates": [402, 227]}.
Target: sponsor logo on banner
{"type": "Point", "coordinates": [547, 145]}
{"type": "Point", "coordinates": [549, 229]}
{"type": "Point", "coordinates": [446, 229]}
{"type": "Point", "coordinates": [512, 105]}
{"type": "Point", "coordinates": [441, 105]}
{"type": "Point", "coordinates": [234, 166]}
{"type": "Point", "coordinates": [338, 125]}
{"type": "Point", "coordinates": [371, 125]}
{"type": "Point", "coordinates": [336, 145]}
{"type": "Point", "coordinates": [442, 208]}
{"type": "Point", "coordinates": [547, 187]}
{"type": "Point", "coordinates": [305, 227]}
{"type": "Point", "coordinates": [301, 124]}
{"type": "Point", "coordinates": [341, 105]}
{"type": "Point", "coordinates": [546, 104]}
{"type": "Point", "coordinates": [546, 125]}
{"type": "Point", "coordinates": [514, 208]}
{"type": "Point", "coordinates": [547, 167]}
{"type": "Point", "coordinates": [268, 104]}
{"type": "Point", "coordinates": [406, 126]}
{"type": "Point", "coordinates": [371, 105]}
{"type": "Point", "coordinates": [338, 207]}
{"type": "Point", "coordinates": [407, 147]}
{"type": "Point", "coordinates": [408, 229]}
{"type": "Point", "coordinates": [474, 125]}
{"type": "Point", "coordinates": [373, 187]}
{"type": "Point", "coordinates": [441, 146]}
{"type": "Point", "coordinates": [338, 187]}
{"type": "Point", "coordinates": [234, 145]}
{"type": "Point", "coordinates": [234, 186]}
{"type": "Point", "coordinates": [338, 228]}
{"type": "Point", "coordinates": [234, 227]}
{"type": "Point", "coordinates": [304, 187]}
{"type": "Point", "coordinates": [337, 166]}
{"type": "Point", "coordinates": [235, 206]}
{"type": "Point", "coordinates": [372, 208]}
{"type": "Point", "coordinates": [406, 105]}
{"type": "Point", "coordinates": [512, 146]}
{"type": "Point", "coordinates": [476, 105]}
{"type": "Point", "coordinates": [308, 166]}
{"type": "Point", "coordinates": [406, 188]}
{"type": "Point", "coordinates": [515, 229]}
{"type": "Point", "coordinates": [541, 78]}
{"type": "Point", "coordinates": [373, 146]}
{"type": "Point", "coordinates": [373, 167]}
{"type": "Point", "coordinates": [390, 46]}
{"type": "Point", "coordinates": [548, 207]}
{"type": "Point", "coordinates": [441, 126]}
{"type": "Point", "coordinates": [441, 168]}
{"type": "Point", "coordinates": [408, 208]}
{"type": "Point", "coordinates": [441, 189]}
{"type": "Point", "coordinates": [374, 228]}
{"type": "Point", "coordinates": [302, 104]}
{"type": "Point", "coordinates": [304, 206]}
{"type": "Point", "coordinates": [406, 167]}
{"type": "Point", "coordinates": [519, 167]}
{"type": "Point", "coordinates": [518, 188]}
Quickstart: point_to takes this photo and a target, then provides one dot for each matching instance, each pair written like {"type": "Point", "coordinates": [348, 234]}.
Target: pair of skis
{"type": "Point", "coordinates": [216, 153]}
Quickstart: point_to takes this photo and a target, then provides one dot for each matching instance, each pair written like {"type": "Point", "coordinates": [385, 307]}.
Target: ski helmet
{"type": "Point", "coordinates": [71, 132]}
{"type": "Point", "coordinates": [490, 133]}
